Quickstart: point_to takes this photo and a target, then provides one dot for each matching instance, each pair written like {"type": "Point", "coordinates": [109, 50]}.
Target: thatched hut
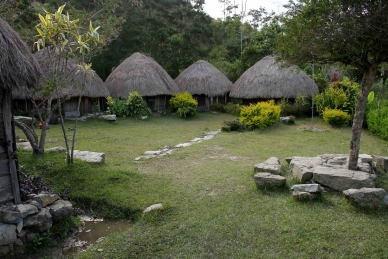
{"type": "Point", "coordinates": [144, 75]}
{"type": "Point", "coordinates": [93, 91]}
{"type": "Point", "coordinates": [205, 83]}
{"type": "Point", "coordinates": [269, 79]}
{"type": "Point", "coordinates": [18, 69]}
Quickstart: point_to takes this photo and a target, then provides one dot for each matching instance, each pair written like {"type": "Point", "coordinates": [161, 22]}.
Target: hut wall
{"type": "Point", "coordinates": [204, 102]}
{"type": "Point", "coordinates": [86, 107]}
{"type": "Point", "coordinates": [158, 103]}
{"type": "Point", "coordinates": [6, 191]}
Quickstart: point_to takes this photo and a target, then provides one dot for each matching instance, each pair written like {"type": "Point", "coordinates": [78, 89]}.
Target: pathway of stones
{"type": "Point", "coordinates": [168, 150]}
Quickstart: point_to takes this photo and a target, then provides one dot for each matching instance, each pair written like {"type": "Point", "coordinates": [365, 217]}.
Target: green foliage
{"type": "Point", "coordinates": [336, 117]}
{"type": "Point", "coordinates": [136, 106]}
{"type": "Point", "coordinates": [260, 115]}
{"type": "Point", "coordinates": [340, 95]}
{"type": "Point", "coordinates": [377, 118]}
{"type": "Point", "coordinates": [321, 82]}
{"type": "Point", "coordinates": [233, 108]}
{"type": "Point", "coordinates": [300, 107]}
{"type": "Point", "coordinates": [232, 125]}
{"type": "Point", "coordinates": [217, 107]}
{"type": "Point", "coordinates": [183, 104]}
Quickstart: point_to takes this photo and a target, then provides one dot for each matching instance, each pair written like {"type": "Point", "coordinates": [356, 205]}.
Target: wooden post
{"type": "Point", "coordinates": [7, 117]}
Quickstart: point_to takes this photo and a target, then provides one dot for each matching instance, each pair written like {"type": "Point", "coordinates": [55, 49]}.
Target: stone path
{"type": "Point", "coordinates": [168, 150]}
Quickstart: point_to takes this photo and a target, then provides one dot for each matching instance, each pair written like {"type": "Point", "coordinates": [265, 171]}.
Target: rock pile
{"type": "Point", "coordinates": [268, 174]}
{"type": "Point", "coordinates": [22, 223]}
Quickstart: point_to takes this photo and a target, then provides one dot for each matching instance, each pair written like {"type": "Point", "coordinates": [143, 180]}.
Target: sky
{"type": "Point", "coordinates": [215, 9]}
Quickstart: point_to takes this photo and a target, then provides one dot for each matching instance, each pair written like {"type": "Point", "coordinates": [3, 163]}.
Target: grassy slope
{"type": "Point", "coordinates": [215, 209]}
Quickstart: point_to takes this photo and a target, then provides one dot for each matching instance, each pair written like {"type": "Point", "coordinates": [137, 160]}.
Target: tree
{"type": "Point", "coordinates": [63, 43]}
{"type": "Point", "coordinates": [352, 32]}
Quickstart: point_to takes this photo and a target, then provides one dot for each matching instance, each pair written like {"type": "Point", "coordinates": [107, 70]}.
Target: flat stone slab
{"type": "Point", "coordinates": [183, 145]}
{"type": "Point", "coordinates": [342, 179]}
{"type": "Point", "coordinates": [264, 179]}
{"type": "Point", "coordinates": [373, 198]}
{"type": "Point", "coordinates": [311, 188]}
{"type": "Point", "coordinates": [56, 149]}
{"type": "Point", "coordinates": [153, 207]}
{"type": "Point", "coordinates": [88, 156]}
{"type": "Point", "coordinates": [110, 117]}
{"type": "Point", "coordinates": [271, 165]}
{"type": "Point", "coordinates": [26, 146]}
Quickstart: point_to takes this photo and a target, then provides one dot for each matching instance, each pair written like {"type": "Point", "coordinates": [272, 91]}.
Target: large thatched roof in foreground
{"type": "Point", "coordinates": [142, 74]}
{"type": "Point", "coordinates": [94, 86]}
{"type": "Point", "coordinates": [203, 78]}
{"type": "Point", "coordinates": [17, 66]}
{"type": "Point", "coordinates": [271, 79]}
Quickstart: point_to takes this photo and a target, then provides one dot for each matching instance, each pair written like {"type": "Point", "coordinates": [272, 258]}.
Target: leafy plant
{"type": "Point", "coordinates": [233, 109]}
{"type": "Point", "coordinates": [232, 125]}
{"type": "Point", "coordinates": [183, 104]}
{"type": "Point", "coordinates": [217, 107]}
{"type": "Point", "coordinates": [377, 118]}
{"type": "Point", "coordinates": [336, 117]}
{"type": "Point", "coordinates": [117, 106]}
{"type": "Point", "coordinates": [300, 106]}
{"type": "Point", "coordinates": [136, 106]}
{"type": "Point", "coordinates": [260, 115]}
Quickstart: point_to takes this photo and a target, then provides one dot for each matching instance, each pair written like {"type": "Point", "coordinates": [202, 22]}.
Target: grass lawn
{"type": "Point", "coordinates": [214, 209]}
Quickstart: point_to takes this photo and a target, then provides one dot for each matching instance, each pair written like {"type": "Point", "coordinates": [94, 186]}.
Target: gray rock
{"type": "Point", "coordinates": [271, 165]}
{"type": "Point", "coordinates": [40, 221]}
{"type": "Point", "coordinates": [311, 188]}
{"type": "Point", "coordinates": [30, 236]}
{"type": "Point", "coordinates": [153, 153]}
{"type": "Point", "coordinates": [287, 120]}
{"type": "Point", "coordinates": [56, 149]}
{"type": "Point", "coordinates": [326, 157]}
{"type": "Point", "coordinates": [111, 117]}
{"type": "Point", "coordinates": [373, 198]}
{"type": "Point", "coordinates": [18, 242]}
{"type": "Point", "coordinates": [37, 204]}
{"type": "Point", "coordinates": [263, 180]}
{"type": "Point", "coordinates": [19, 227]}
{"type": "Point", "coordinates": [61, 210]}
{"type": "Point", "coordinates": [302, 168]}
{"type": "Point", "coordinates": [382, 163]}
{"type": "Point", "coordinates": [365, 158]}
{"type": "Point", "coordinates": [183, 145]}
{"type": "Point", "coordinates": [342, 179]}
{"type": "Point", "coordinates": [304, 196]}
{"type": "Point", "coordinates": [17, 213]}
{"type": "Point", "coordinates": [26, 146]}
{"type": "Point", "coordinates": [157, 206]}
{"type": "Point", "coordinates": [7, 234]}
{"type": "Point", "coordinates": [26, 120]}
{"type": "Point", "coordinates": [338, 160]}
{"type": "Point", "coordinates": [289, 158]}
{"type": "Point", "coordinates": [45, 199]}
{"type": "Point", "coordinates": [91, 157]}
{"type": "Point", "coordinates": [365, 167]}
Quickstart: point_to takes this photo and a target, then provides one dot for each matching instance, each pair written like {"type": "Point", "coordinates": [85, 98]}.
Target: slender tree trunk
{"type": "Point", "coordinates": [63, 130]}
{"type": "Point", "coordinates": [75, 130]}
{"type": "Point", "coordinates": [366, 86]}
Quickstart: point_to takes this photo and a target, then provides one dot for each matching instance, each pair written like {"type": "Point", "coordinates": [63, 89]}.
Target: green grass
{"type": "Point", "coordinates": [215, 210]}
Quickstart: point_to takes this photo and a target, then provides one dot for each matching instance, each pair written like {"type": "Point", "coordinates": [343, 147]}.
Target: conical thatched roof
{"type": "Point", "coordinates": [203, 78]}
{"type": "Point", "coordinates": [142, 74]}
{"type": "Point", "coordinates": [94, 86]}
{"type": "Point", "coordinates": [270, 79]}
{"type": "Point", "coordinates": [17, 66]}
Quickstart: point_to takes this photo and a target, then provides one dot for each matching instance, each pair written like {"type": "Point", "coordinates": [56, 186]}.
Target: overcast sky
{"type": "Point", "coordinates": [215, 8]}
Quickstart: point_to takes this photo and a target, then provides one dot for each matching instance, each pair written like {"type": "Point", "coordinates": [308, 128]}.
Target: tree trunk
{"type": "Point", "coordinates": [366, 86]}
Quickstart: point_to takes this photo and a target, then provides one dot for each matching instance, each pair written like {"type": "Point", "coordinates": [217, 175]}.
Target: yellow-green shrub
{"type": "Point", "coordinates": [260, 115]}
{"type": "Point", "coordinates": [336, 117]}
{"type": "Point", "coordinates": [183, 104]}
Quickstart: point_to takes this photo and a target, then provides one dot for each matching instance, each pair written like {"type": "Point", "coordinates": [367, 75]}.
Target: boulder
{"type": "Point", "coordinates": [40, 221]}
{"type": "Point", "coordinates": [372, 198]}
{"type": "Point", "coordinates": [45, 199]}
{"type": "Point", "coordinates": [340, 179]}
{"type": "Point", "coordinates": [60, 210]}
{"type": "Point", "coordinates": [91, 157]}
{"type": "Point", "coordinates": [304, 196]}
{"type": "Point", "coordinates": [382, 163]}
{"type": "Point", "coordinates": [311, 188]}
{"type": "Point", "coordinates": [7, 234]}
{"type": "Point", "coordinates": [271, 165]}
{"type": "Point", "coordinates": [15, 214]}
{"type": "Point", "coordinates": [26, 120]}
{"type": "Point", "coordinates": [287, 120]}
{"type": "Point", "coordinates": [302, 168]}
{"type": "Point", "coordinates": [264, 180]}
{"type": "Point", "coordinates": [26, 146]}
{"type": "Point", "coordinates": [110, 117]}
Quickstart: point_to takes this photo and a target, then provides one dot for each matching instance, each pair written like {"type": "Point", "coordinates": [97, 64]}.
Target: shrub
{"type": "Point", "coordinates": [233, 109]}
{"type": "Point", "coordinates": [117, 106]}
{"type": "Point", "coordinates": [183, 104]}
{"type": "Point", "coordinates": [260, 115]}
{"type": "Point", "coordinates": [300, 107]}
{"type": "Point", "coordinates": [217, 107]}
{"type": "Point", "coordinates": [377, 119]}
{"type": "Point", "coordinates": [336, 118]}
{"type": "Point", "coordinates": [232, 125]}
{"type": "Point", "coordinates": [136, 106]}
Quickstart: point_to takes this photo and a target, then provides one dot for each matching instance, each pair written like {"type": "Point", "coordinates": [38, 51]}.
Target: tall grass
{"type": "Point", "coordinates": [215, 210]}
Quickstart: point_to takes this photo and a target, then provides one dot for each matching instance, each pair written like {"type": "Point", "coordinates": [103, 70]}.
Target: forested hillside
{"type": "Point", "coordinates": [176, 33]}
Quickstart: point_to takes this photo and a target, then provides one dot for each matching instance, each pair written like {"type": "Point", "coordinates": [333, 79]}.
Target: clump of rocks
{"type": "Point", "coordinates": [22, 223]}
{"type": "Point", "coordinates": [329, 171]}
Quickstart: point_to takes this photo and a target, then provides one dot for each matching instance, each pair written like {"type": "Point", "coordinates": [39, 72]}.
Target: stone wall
{"type": "Point", "coordinates": [21, 223]}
